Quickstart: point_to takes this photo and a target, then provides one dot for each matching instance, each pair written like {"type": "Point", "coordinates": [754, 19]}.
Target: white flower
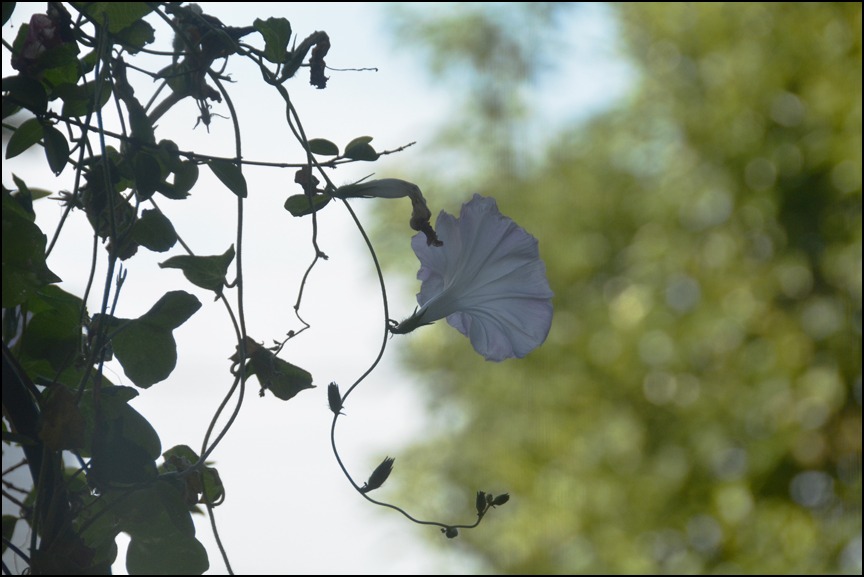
{"type": "Point", "coordinates": [487, 280]}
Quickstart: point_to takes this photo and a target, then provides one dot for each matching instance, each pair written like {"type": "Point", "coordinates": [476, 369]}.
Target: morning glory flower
{"type": "Point", "coordinates": [487, 280]}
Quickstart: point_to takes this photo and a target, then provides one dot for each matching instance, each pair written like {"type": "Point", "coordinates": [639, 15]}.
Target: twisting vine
{"type": "Point", "coordinates": [57, 398]}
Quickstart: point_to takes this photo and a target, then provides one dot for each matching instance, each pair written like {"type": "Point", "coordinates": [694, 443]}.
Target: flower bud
{"type": "Point", "coordinates": [395, 188]}
{"type": "Point", "coordinates": [481, 502]}
{"type": "Point", "coordinates": [334, 398]}
{"type": "Point", "coordinates": [379, 475]}
{"type": "Point", "coordinates": [450, 532]}
{"type": "Point", "coordinates": [500, 499]}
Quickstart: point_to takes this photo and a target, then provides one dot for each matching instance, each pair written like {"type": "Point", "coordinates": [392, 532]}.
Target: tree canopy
{"type": "Point", "coordinates": [697, 405]}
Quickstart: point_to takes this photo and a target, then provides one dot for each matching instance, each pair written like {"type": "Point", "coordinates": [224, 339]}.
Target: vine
{"type": "Point", "coordinates": [70, 63]}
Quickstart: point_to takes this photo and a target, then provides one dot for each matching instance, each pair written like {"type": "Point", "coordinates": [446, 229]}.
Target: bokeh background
{"type": "Point", "coordinates": [697, 405]}
{"type": "Point", "coordinates": [693, 174]}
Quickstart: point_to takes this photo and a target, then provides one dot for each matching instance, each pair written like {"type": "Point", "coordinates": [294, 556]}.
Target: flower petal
{"type": "Point", "coordinates": [487, 280]}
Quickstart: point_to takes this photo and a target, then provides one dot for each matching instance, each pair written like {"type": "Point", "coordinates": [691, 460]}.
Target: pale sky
{"type": "Point", "coordinates": [288, 507]}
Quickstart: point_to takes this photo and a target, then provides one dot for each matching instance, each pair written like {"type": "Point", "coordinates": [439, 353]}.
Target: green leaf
{"type": "Point", "coordinates": [29, 133]}
{"type": "Point", "coordinates": [88, 61]}
{"type": "Point", "coordinates": [323, 147]}
{"type": "Point", "coordinates": [172, 310]}
{"type": "Point", "coordinates": [214, 490]}
{"type": "Point", "coordinates": [56, 149]}
{"type": "Point", "coordinates": [168, 154]}
{"type": "Point", "coordinates": [9, 521]}
{"type": "Point", "coordinates": [79, 100]}
{"type": "Point", "coordinates": [299, 205]}
{"type": "Point", "coordinates": [60, 65]}
{"type": "Point", "coordinates": [359, 141]}
{"type": "Point", "coordinates": [37, 193]}
{"type": "Point", "coordinates": [23, 198]}
{"type": "Point", "coordinates": [178, 76]}
{"type": "Point", "coordinates": [54, 330]}
{"type": "Point", "coordinates": [8, 8]}
{"type": "Point", "coordinates": [145, 346]}
{"type": "Point", "coordinates": [280, 377]}
{"type": "Point", "coordinates": [62, 423]}
{"type": "Point", "coordinates": [178, 555]}
{"type": "Point", "coordinates": [277, 34]}
{"type": "Point", "coordinates": [136, 36]}
{"type": "Point", "coordinates": [119, 15]}
{"type": "Point", "coordinates": [207, 272]}
{"type": "Point", "coordinates": [147, 354]}
{"type": "Point", "coordinates": [154, 231]}
{"type": "Point", "coordinates": [361, 152]}
{"type": "Point", "coordinates": [180, 458]}
{"type": "Point", "coordinates": [118, 397]}
{"type": "Point", "coordinates": [162, 533]}
{"type": "Point", "coordinates": [185, 177]}
{"type": "Point", "coordinates": [96, 523]}
{"type": "Point", "coordinates": [124, 444]}
{"type": "Point", "coordinates": [9, 108]}
{"type": "Point", "coordinates": [25, 92]}
{"type": "Point", "coordinates": [182, 452]}
{"type": "Point", "coordinates": [24, 270]}
{"type": "Point", "coordinates": [148, 174]}
{"type": "Point", "coordinates": [230, 175]}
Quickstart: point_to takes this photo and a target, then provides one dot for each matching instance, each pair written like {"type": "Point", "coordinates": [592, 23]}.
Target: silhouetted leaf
{"type": "Point", "coordinates": [56, 149]}
{"type": "Point", "coordinates": [204, 271]}
{"type": "Point", "coordinates": [136, 36]}
{"type": "Point", "coordinates": [230, 175]}
{"type": "Point", "coordinates": [124, 444]}
{"type": "Point", "coordinates": [60, 65]}
{"type": "Point", "coordinates": [26, 135]}
{"type": "Point", "coordinates": [148, 174]}
{"type": "Point", "coordinates": [154, 231]}
{"type": "Point", "coordinates": [9, 521]}
{"type": "Point", "coordinates": [145, 346]}
{"type": "Point", "coordinates": [299, 204]}
{"type": "Point", "coordinates": [185, 177]}
{"type": "Point", "coordinates": [277, 34]}
{"type": "Point", "coordinates": [199, 485]}
{"type": "Point", "coordinates": [170, 555]}
{"type": "Point", "coordinates": [280, 377]}
{"type": "Point", "coordinates": [359, 141]}
{"type": "Point", "coordinates": [323, 147]}
{"type": "Point", "coordinates": [53, 331]}
{"type": "Point", "coordinates": [80, 100]}
{"type": "Point", "coordinates": [62, 425]}
{"type": "Point", "coordinates": [24, 269]}
{"type": "Point", "coordinates": [118, 15]}
{"type": "Point", "coordinates": [25, 92]}
{"type": "Point", "coordinates": [360, 149]}
{"type": "Point", "coordinates": [162, 534]}
{"type": "Point", "coordinates": [8, 8]}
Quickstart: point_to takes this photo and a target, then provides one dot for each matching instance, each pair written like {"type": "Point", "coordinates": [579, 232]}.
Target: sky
{"type": "Point", "coordinates": [288, 507]}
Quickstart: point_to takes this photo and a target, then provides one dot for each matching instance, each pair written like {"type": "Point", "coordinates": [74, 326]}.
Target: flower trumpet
{"type": "Point", "coordinates": [487, 280]}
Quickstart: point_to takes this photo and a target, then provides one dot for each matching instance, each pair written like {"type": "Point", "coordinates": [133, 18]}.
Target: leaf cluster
{"type": "Point", "coordinates": [70, 63]}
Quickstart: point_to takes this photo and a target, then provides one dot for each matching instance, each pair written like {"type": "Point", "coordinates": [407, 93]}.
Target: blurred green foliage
{"type": "Point", "coordinates": [697, 405]}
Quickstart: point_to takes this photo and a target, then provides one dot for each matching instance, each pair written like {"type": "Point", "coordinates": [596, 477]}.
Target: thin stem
{"type": "Point", "coordinates": [17, 551]}
{"type": "Point", "coordinates": [362, 377]}
{"type": "Point", "coordinates": [12, 498]}
{"type": "Point", "coordinates": [216, 534]}
{"type": "Point", "coordinates": [300, 135]}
